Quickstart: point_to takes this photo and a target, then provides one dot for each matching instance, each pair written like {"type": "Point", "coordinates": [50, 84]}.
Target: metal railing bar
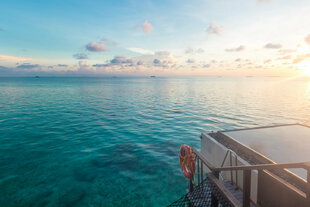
{"type": "Point", "coordinates": [231, 172]}
{"type": "Point", "coordinates": [204, 160]}
{"type": "Point", "coordinates": [264, 166]}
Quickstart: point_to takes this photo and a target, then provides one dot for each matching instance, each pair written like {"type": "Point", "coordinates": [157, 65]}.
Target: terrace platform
{"type": "Point", "coordinates": [263, 166]}
{"type": "Point", "coordinates": [281, 144]}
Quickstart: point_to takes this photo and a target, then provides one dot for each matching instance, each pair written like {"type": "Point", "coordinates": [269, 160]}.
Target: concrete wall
{"type": "Point", "coordinates": [215, 154]}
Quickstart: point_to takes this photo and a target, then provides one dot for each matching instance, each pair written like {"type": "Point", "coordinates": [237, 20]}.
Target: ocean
{"type": "Point", "coordinates": [115, 141]}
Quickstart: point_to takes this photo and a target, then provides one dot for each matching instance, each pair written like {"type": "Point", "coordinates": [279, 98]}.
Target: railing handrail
{"type": "Point", "coordinates": [304, 165]}
{"type": "Point", "coordinates": [204, 160]}
{"type": "Point", "coordinates": [247, 174]}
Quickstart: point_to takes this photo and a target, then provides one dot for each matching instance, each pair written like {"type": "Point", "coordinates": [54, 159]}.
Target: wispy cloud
{"type": "Point", "coordinates": [267, 61]}
{"type": "Point", "coordinates": [62, 65]}
{"type": "Point", "coordinates": [96, 47]}
{"type": "Point", "coordinates": [263, 1]}
{"type": "Point", "coordinates": [190, 61]}
{"type": "Point", "coordinates": [237, 49]}
{"type": "Point", "coordinates": [272, 46]}
{"type": "Point", "coordinates": [301, 58]}
{"type": "Point", "coordinates": [190, 50]}
{"type": "Point", "coordinates": [285, 57]}
{"type": "Point", "coordinates": [121, 60]}
{"type": "Point", "coordinates": [80, 56]}
{"type": "Point", "coordinates": [214, 29]}
{"type": "Point", "coordinates": [147, 27]}
{"type": "Point", "coordinates": [109, 40]}
{"type": "Point", "coordinates": [141, 51]}
{"type": "Point", "coordinates": [307, 39]}
{"type": "Point", "coordinates": [6, 58]}
{"type": "Point", "coordinates": [285, 51]}
{"type": "Point", "coordinates": [27, 66]}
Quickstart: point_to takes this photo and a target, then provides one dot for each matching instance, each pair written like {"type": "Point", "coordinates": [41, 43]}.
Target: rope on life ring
{"type": "Point", "coordinates": [187, 161]}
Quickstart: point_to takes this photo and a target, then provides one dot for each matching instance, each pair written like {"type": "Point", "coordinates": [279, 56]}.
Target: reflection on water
{"type": "Point", "coordinates": [114, 142]}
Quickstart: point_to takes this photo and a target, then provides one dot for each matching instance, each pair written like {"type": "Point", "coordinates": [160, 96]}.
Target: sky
{"type": "Point", "coordinates": [155, 37]}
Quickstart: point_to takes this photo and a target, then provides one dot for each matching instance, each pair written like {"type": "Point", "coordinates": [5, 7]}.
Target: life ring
{"type": "Point", "coordinates": [187, 161]}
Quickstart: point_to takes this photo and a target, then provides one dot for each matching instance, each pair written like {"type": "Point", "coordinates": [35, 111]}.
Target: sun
{"type": "Point", "coordinates": [305, 67]}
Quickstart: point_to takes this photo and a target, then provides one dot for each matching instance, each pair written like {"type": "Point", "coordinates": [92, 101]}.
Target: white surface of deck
{"type": "Point", "coordinates": [282, 144]}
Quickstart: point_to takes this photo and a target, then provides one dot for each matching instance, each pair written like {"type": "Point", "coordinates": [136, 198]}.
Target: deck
{"type": "Point", "coordinates": [274, 184]}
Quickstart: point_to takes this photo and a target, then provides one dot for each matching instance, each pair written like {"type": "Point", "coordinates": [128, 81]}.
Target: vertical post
{"type": "Point", "coordinates": [191, 186]}
{"type": "Point", "coordinates": [236, 160]}
{"type": "Point", "coordinates": [231, 172]}
{"type": "Point", "coordinates": [198, 170]}
{"type": "Point", "coordinates": [214, 200]}
{"type": "Point", "coordinates": [246, 188]}
{"type": "Point", "coordinates": [201, 170]}
{"type": "Point", "coordinates": [308, 186]}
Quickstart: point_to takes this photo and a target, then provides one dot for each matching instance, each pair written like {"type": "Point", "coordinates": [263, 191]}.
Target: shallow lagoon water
{"type": "Point", "coordinates": [115, 141]}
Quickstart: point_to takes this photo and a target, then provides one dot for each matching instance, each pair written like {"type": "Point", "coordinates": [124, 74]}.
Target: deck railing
{"type": "Point", "coordinates": [202, 161]}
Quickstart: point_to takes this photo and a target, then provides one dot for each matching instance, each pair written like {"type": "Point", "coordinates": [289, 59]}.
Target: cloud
{"type": "Point", "coordinates": [163, 59]}
{"type": "Point", "coordinates": [27, 66]}
{"type": "Point", "coordinates": [80, 56]}
{"type": "Point", "coordinates": [200, 50]}
{"type": "Point", "coordinates": [214, 29]}
{"type": "Point", "coordinates": [121, 60]}
{"type": "Point", "coordinates": [190, 50]}
{"type": "Point", "coordinates": [206, 65]}
{"type": "Point", "coordinates": [83, 66]}
{"type": "Point", "coordinates": [109, 40]}
{"type": "Point", "coordinates": [301, 58]}
{"type": "Point", "coordinates": [118, 61]}
{"type": "Point", "coordinates": [237, 49]}
{"type": "Point", "coordinates": [286, 51]}
{"type": "Point", "coordinates": [238, 60]}
{"type": "Point", "coordinates": [100, 65]}
{"type": "Point", "coordinates": [162, 63]}
{"type": "Point", "coordinates": [147, 27]}
{"type": "Point", "coordinates": [162, 53]}
{"type": "Point", "coordinates": [272, 46]}
{"type": "Point", "coordinates": [141, 51]}
{"type": "Point", "coordinates": [62, 65]}
{"type": "Point", "coordinates": [285, 57]}
{"type": "Point", "coordinates": [307, 39]}
{"type": "Point", "coordinates": [263, 1]}
{"type": "Point", "coordinates": [140, 62]}
{"type": "Point", "coordinates": [96, 47]}
{"type": "Point", "coordinates": [267, 61]}
{"type": "Point", "coordinates": [156, 61]}
{"type": "Point", "coordinates": [6, 58]}
{"type": "Point", "coordinates": [190, 61]}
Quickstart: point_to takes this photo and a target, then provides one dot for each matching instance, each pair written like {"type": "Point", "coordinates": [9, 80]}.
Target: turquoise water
{"type": "Point", "coordinates": [115, 141]}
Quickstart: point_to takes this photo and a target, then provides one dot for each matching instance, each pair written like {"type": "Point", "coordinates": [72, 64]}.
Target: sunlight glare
{"type": "Point", "coordinates": [305, 67]}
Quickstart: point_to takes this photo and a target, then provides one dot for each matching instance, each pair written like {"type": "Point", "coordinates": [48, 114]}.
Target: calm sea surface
{"type": "Point", "coordinates": [115, 141]}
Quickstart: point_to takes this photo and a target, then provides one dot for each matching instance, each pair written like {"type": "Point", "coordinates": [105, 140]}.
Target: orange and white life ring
{"type": "Point", "coordinates": [187, 161]}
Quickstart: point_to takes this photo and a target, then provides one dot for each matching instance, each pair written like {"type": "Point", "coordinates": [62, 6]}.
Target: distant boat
{"type": "Point", "coordinates": [37, 76]}
{"type": "Point", "coordinates": [153, 76]}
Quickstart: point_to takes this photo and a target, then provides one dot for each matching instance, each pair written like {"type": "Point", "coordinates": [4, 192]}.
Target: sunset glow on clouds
{"type": "Point", "coordinates": [140, 38]}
